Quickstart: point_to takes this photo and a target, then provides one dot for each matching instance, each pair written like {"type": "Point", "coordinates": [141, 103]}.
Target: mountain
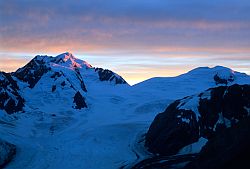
{"type": "Point", "coordinates": [232, 144]}
{"type": "Point", "coordinates": [56, 80]}
{"type": "Point", "coordinates": [10, 99]}
{"type": "Point", "coordinates": [186, 120]}
{"type": "Point", "coordinates": [216, 119]}
{"type": "Point", "coordinates": [192, 82]}
{"type": "Point", "coordinates": [60, 112]}
{"type": "Point", "coordinates": [46, 81]}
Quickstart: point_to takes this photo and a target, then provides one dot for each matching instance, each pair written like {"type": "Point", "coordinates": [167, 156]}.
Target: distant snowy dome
{"type": "Point", "coordinates": [220, 74]}
{"type": "Point", "coordinates": [216, 69]}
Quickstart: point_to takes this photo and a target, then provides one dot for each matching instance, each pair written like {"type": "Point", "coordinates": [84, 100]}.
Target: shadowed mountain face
{"type": "Point", "coordinates": [188, 119]}
{"type": "Point", "coordinates": [62, 77]}
{"type": "Point", "coordinates": [33, 71]}
{"type": "Point", "coordinates": [228, 149]}
{"type": "Point", "coordinates": [10, 99]}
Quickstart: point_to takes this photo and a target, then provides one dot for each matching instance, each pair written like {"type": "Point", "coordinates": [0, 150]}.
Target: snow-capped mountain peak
{"type": "Point", "coordinates": [66, 55]}
{"type": "Point", "coordinates": [69, 60]}
{"type": "Point", "coordinates": [61, 80]}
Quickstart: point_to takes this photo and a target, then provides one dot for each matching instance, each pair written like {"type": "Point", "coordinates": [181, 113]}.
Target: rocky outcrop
{"type": "Point", "coordinates": [107, 75]}
{"type": "Point", "coordinates": [33, 71]}
{"type": "Point", "coordinates": [220, 80]}
{"type": "Point", "coordinates": [190, 118]}
{"type": "Point", "coordinates": [80, 78]}
{"type": "Point", "coordinates": [7, 152]}
{"type": "Point", "coordinates": [228, 149]}
{"type": "Point", "coordinates": [79, 101]}
{"type": "Point", "coordinates": [10, 99]}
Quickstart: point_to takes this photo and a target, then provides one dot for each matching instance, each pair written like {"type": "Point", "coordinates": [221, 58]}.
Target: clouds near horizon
{"type": "Point", "coordinates": [207, 30]}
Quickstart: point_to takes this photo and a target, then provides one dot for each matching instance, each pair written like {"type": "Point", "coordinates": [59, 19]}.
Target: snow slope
{"type": "Point", "coordinates": [192, 82]}
{"type": "Point", "coordinates": [105, 134]}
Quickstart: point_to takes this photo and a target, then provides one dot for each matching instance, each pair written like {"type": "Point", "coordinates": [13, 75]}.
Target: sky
{"type": "Point", "coordinates": [137, 39]}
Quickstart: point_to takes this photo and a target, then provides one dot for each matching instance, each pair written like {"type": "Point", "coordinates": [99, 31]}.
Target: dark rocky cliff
{"type": "Point", "coordinates": [190, 118]}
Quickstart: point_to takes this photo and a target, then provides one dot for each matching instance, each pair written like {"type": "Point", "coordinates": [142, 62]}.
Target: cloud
{"type": "Point", "coordinates": [157, 32]}
{"type": "Point", "coordinates": [93, 25]}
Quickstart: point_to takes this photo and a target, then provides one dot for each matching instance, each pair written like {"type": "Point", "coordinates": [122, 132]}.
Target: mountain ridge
{"type": "Point", "coordinates": [47, 74]}
{"type": "Point", "coordinates": [65, 73]}
{"type": "Point", "coordinates": [217, 68]}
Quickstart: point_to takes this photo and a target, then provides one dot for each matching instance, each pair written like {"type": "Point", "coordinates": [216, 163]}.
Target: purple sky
{"type": "Point", "coordinates": [138, 39]}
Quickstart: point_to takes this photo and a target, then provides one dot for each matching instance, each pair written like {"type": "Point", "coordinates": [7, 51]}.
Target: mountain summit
{"type": "Point", "coordinates": [194, 81]}
{"type": "Point", "coordinates": [42, 64]}
{"type": "Point", "coordinates": [69, 60]}
{"type": "Point", "coordinates": [63, 78]}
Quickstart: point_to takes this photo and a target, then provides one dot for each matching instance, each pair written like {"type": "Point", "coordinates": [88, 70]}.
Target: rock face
{"type": "Point", "coordinates": [229, 149]}
{"type": "Point", "coordinates": [219, 80]}
{"type": "Point", "coordinates": [10, 99]}
{"type": "Point", "coordinates": [33, 71]}
{"type": "Point", "coordinates": [190, 118]}
{"type": "Point", "coordinates": [79, 101]}
{"type": "Point", "coordinates": [107, 75]}
{"type": "Point", "coordinates": [224, 77]}
{"type": "Point", "coordinates": [7, 152]}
